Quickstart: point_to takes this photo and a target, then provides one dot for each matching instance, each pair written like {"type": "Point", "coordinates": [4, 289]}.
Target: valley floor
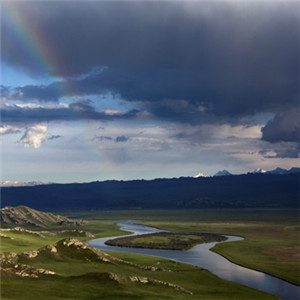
{"type": "Point", "coordinates": [271, 245]}
{"type": "Point", "coordinates": [272, 237]}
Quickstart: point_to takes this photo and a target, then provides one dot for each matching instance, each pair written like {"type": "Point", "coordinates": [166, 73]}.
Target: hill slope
{"type": "Point", "coordinates": [21, 215]}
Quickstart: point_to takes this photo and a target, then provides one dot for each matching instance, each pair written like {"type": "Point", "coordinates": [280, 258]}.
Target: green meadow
{"type": "Point", "coordinates": [272, 236]}
{"type": "Point", "coordinates": [271, 245]}
{"type": "Point", "coordinates": [82, 277]}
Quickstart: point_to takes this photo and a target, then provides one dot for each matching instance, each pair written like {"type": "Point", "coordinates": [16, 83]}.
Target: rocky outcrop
{"type": "Point", "coordinates": [10, 266]}
{"type": "Point", "coordinates": [147, 280]}
{"type": "Point", "coordinates": [76, 232]}
{"type": "Point", "coordinates": [26, 231]}
{"type": "Point", "coordinates": [22, 270]}
{"type": "Point", "coordinates": [4, 236]}
{"type": "Point", "coordinates": [23, 215]}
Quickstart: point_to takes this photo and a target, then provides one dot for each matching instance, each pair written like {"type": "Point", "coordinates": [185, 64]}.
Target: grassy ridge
{"type": "Point", "coordinates": [25, 242]}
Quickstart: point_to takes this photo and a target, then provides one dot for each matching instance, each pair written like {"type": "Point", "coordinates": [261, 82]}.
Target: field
{"type": "Point", "coordinates": [271, 245]}
{"type": "Point", "coordinates": [79, 274]}
{"type": "Point", "coordinates": [89, 280]}
{"type": "Point", "coordinates": [272, 236]}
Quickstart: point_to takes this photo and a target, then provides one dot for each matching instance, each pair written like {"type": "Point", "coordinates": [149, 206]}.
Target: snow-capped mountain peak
{"type": "Point", "coordinates": [259, 170]}
{"type": "Point", "coordinates": [223, 173]}
{"type": "Point", "coordinates": [200, 175]}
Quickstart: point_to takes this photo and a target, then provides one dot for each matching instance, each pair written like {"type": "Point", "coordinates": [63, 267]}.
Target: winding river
{"type": "Point", "coordinates": [201, 256]}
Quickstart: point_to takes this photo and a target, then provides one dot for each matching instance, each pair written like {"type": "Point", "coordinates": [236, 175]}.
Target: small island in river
{"type": "Point", "coordinates": [166, 240]}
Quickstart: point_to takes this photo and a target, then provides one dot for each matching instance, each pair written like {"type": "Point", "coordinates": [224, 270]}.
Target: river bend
{"type": "Point", "coordinates": [201, 256]}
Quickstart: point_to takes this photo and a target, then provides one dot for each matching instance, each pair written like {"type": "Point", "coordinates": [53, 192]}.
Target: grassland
{"type": "Point", "coordinates": [166, 240]}
{"type": "Point", "coordinates": [83, 277]}
{"type": "Point", "coordinates": [271, 245]}
{"type": "Point", "coordinates": [272, 236]}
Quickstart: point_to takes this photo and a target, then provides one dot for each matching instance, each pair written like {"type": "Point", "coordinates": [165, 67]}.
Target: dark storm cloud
{"type": "Point", "coordinates": [287, 152]}
{"type": "Point", "coordinates": [178, 95]}
{"type": "Point", "coordinates": [82, 110]}
{"type": "Point", "coordinates": [283, 127]}
{"type": "Point", "coordinates": [281, 150]}
{"type": "Point", "coordinates": [118, 139]}
{"type": "Point", "coordinates": [42, 93]}
{"type": "Point", "coordinates": [283, 135]}
{"type": "Point", "coordinates": [235, 59]}
{"type": "Point", "coordinates": [93, 84]}
{"type": "Point", "coordinates": [121, 139]}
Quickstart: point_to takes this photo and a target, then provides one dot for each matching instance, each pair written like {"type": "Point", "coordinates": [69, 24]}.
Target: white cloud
{"type": "Point", "coordinates": [7, 129]}
{"type": "Point", "coordinates": [36, 105]}
{"type": "Point", "coordinates": [113, 112]}
{"type": "Point", "coordinates": [35, 135]}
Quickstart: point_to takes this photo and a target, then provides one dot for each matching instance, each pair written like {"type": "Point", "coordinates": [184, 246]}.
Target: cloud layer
{"type": "Point", "coordinates": [234, 58]}
{"type": "Point", "coordinates": [79, 110]}
{"type": "Point", "coordinates": [155, 85]}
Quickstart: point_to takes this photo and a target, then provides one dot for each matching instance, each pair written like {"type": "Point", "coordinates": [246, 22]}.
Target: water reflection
{"type": "Point", "coordinates": [201, 256]}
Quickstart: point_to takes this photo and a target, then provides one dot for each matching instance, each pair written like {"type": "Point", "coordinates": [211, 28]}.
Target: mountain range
{"type": "Point", "coordinates": [235, 191]}
{"type": "Point", "coordinates": [256, 171]}
{"type": "Point", "coordinates": [199, 175]}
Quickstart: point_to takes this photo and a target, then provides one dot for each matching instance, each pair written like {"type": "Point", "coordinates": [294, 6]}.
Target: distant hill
{"type": "Point", "coordinates": [284, 171]}
{"type": "Point", "coordinates": [20, 183]}
{"type": "Point", "coordinates": [223, 173]}
{"type": "Point", "coordinates": [21, 215]}
{"type": "Point", "coordinates": [235, 191]}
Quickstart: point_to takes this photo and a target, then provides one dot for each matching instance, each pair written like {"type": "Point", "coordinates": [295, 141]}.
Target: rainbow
{"type": "Point", "coordinates": [29, 40]}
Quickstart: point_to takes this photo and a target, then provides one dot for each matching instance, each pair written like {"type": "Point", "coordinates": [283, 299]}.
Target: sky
{"type": "Point", "coordinates": [97, 90]}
